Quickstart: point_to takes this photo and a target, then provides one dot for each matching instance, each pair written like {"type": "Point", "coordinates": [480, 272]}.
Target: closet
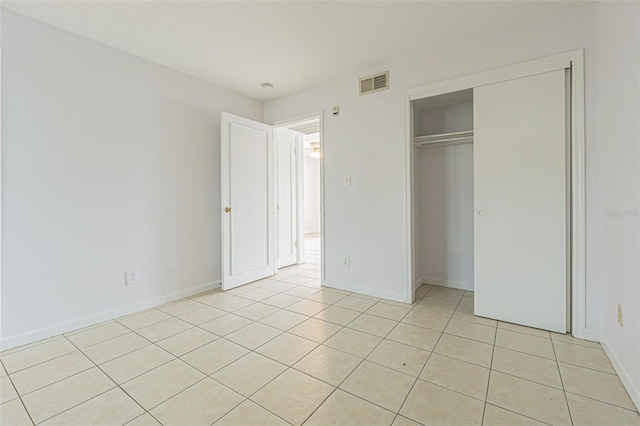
{"type": "Point", "coordinates": [492, 195]}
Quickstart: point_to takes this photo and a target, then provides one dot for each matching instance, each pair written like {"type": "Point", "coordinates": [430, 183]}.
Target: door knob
{"type": "Point", "coordinates": [227, 210]}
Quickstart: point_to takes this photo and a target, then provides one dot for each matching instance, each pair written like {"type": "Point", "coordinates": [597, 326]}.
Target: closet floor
{"type": "Point", "coordinates": [285, 350]}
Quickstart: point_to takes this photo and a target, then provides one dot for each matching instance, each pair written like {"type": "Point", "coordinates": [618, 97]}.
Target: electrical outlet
{"type": "Point", "coordinates": [131, 277]}
{"type": "Point", "coordinates": [620, 321]}
{"type": "Point", "coordinates": [346, 261]}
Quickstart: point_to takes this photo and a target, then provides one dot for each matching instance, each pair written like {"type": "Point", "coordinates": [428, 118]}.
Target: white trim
{"type": "Point", "coordinates": [447, 283]}
{"type": "Point", "coordinates": [389, 295]}
{"type": "Point", "coordinates": [54, 330]}
{"type": "Point", "coordinates": [574, 60]}
{"type": "Point", "coordinates": [630, 386]}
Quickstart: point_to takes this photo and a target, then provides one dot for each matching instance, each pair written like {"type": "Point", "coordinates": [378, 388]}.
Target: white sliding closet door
{"type": "Point", "coordinates": [520, 196]}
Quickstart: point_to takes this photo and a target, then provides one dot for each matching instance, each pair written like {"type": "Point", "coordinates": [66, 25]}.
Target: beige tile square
{"type": "Point", "coordinates": [530, 399]}
{"type": "Point", "coordinates": [307, 307]}
{"type": "Point", "coordinates": [283, 320]}
{"type": "Point", "coordinates": [298, 405]}
{"type": "Point", "coordinates": [143, 319]}
{"type": "Point", "coordinates": [373, 325]}
{"type": "Point", "coordinates": [473, 331]}
{"type": "Point", "coordinates": [595, 384]}
{"type": "Point", "coordinates": [214, 356]}
{"type": "Point", "coordinates": [136, 363]}
{"type": "Point", "coordinates": [431, 404]}
{"type": "Point", "coordinates": [427, 319]}
{"type": "Point", "coordinates": [2, 370]}
{"type": "Point", "coordinates": [466, 314]}
{"type": "Point", "coordinates": [202, 315]}
{"type": "Point", "coordinates": [403, 421]}
{"type": "Point", "coordinates": [404, 358]}
{"type": "Point", "coordinates": [586, 411]}
{"type": "Point", "coordinates": [525, 343]}
{"type": "Point", "coordinates": [226, 302]}
{"type": "Point", "coordinates": [567, 338]}
{"type": "Point", "coordinates": [385, 310]}
{"type": "Point", "coordinates": [201, 404]}
{"type": "Point", "coordinates": [326, 297]}
{"type": "Point", "coordinates": [156, 386]}
{"type": "Point", "coordinates": [164, 329]}
{"type": "Point", "coordinates": [249, 373]}
{"type": "Point", "coordinates": [342, 408]}
{"type": "Point", "coordinates": [460, 376]}
{"type": "Point", "coordinates": [282, 300]}
{"type": "Point", "coordinates": [582, 356]}
{"type": "Point", "coordinates": [522, 329]}
{"type": "Point", "coordinates": [356, 303]}
{"type": "Point", "coordinates": [353, 342]}
{"type": "Point", "coordinates": [464, 349]}
{"type": "Point", "coordinates": [295, 279]}
{"type": "Point", "coordinates": [435, 306]}
{"type": "Point", "coordinates": [180, 307]}
{"type": "Point", "coordinates": [315, 330]}
{"type": "Point", "coordinates": [327, 364]}
{"type": "Point", "coordinates": [250, 414]}
{"type": "Point", "coordinates": [259, 294]}
{"type": "Point", "coordinates": [301, 291]}
{"type": "Point", "coordinates": [7, 391]}
{"type": "Point", "coordinates": [186, 341]}
{"type": "Point", "coordinates": [380, 385]}
{"type": "Point", "coordinates": [287, 348]}
{"type": "Point", "coordinates": [280, 286]}
{"type": "Point", "coordinates": [144, 420]}
{"type": "Point", "coordinates": [496, 416]}
{"type": "Point", "coordinates": [413, 335]}
{"type": "Point", "coordinates": [226, 324]}
{"type": "Point", "coordinates": [97, 334]}
{"type": "Point", "coordinates": [337, 315]}
{"type": "Point", "coordinates": [49, 372]}
{"type": "Point", "coordinates": [256, 311]}
{"type": "Point", "coordinates": [13, 414]}
{"type": "Point", "coordinates": [112, 407]}
{"type": "Point", "coordinates": [525, 366]}
{"type": "Point", "coordinates": [26, 358]}
{"type": "Point", "coordinates": [253, 335]}
{"type": "Point", "coordinates": [118, 346]}
{"type": "Point", "coordinates": [58, 397]}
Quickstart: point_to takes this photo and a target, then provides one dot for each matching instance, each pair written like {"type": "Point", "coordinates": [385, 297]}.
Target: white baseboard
{"type": "Point", "coordinates": [417, 283]}
{"type": "Point", "coordinates": [632, 389]}
{"type": "Point", "coordinates": [390, 295]}
{"type": "Point", "coordinates": [447, 283]}
{"type": "Point", "coordinates": [54, 330]}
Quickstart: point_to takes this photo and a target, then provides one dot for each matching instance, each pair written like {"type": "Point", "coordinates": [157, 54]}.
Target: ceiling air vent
{"type": "Point", "coordinates": [374, 83]}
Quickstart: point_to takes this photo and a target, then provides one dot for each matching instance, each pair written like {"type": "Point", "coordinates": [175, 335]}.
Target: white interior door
{"type": "Point", "coordinates": [247, 201]}
{"type": "Point", "coordinates": [287, 163]}
{"type": "Point", "coordinates": [520, 196]}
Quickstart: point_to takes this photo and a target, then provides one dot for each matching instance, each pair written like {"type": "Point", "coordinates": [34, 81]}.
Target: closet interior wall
{"type": "Point", "coordinates": [443, 185]}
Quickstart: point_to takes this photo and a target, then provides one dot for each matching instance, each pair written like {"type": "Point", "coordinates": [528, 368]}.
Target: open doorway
{"type": "Point", "coordinates": [309, 199]}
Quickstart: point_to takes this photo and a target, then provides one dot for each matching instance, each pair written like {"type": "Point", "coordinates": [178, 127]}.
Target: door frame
{"type": "Point", "coordinates": [292, 120]}
{"type": "Point", "coordinates": [573, 59]}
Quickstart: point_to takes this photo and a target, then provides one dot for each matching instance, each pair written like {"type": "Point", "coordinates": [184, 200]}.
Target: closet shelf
{"type": "Point", "coordinates": [443, 139]}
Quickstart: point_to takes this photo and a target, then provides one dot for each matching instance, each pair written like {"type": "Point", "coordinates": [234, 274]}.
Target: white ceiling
{"type": "Point", "coordinates": [294, 45]}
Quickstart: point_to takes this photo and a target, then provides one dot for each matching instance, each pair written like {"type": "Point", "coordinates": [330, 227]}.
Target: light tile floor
{"type": "Point", "coordinates": [285, 350]}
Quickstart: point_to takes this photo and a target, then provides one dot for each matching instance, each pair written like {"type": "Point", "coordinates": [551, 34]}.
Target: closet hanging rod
{"type": "Point", "coordinates": [454, 138]}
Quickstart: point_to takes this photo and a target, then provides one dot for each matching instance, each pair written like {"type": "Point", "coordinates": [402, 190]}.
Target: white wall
{"type": "Point", "coordinates": [311, 195]}
{"type": "Point", "coordinates": [369, 220]}
{"type": "Point", "coordinates": [446, 210]}
{"type": "Point", "coordinates": [109, 163]}
{"type": "Point", "coordinates": [618, 136]}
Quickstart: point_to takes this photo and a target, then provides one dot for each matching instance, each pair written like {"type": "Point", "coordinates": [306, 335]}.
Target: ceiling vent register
{"type": "Point", "coordinates": [374, 83]}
